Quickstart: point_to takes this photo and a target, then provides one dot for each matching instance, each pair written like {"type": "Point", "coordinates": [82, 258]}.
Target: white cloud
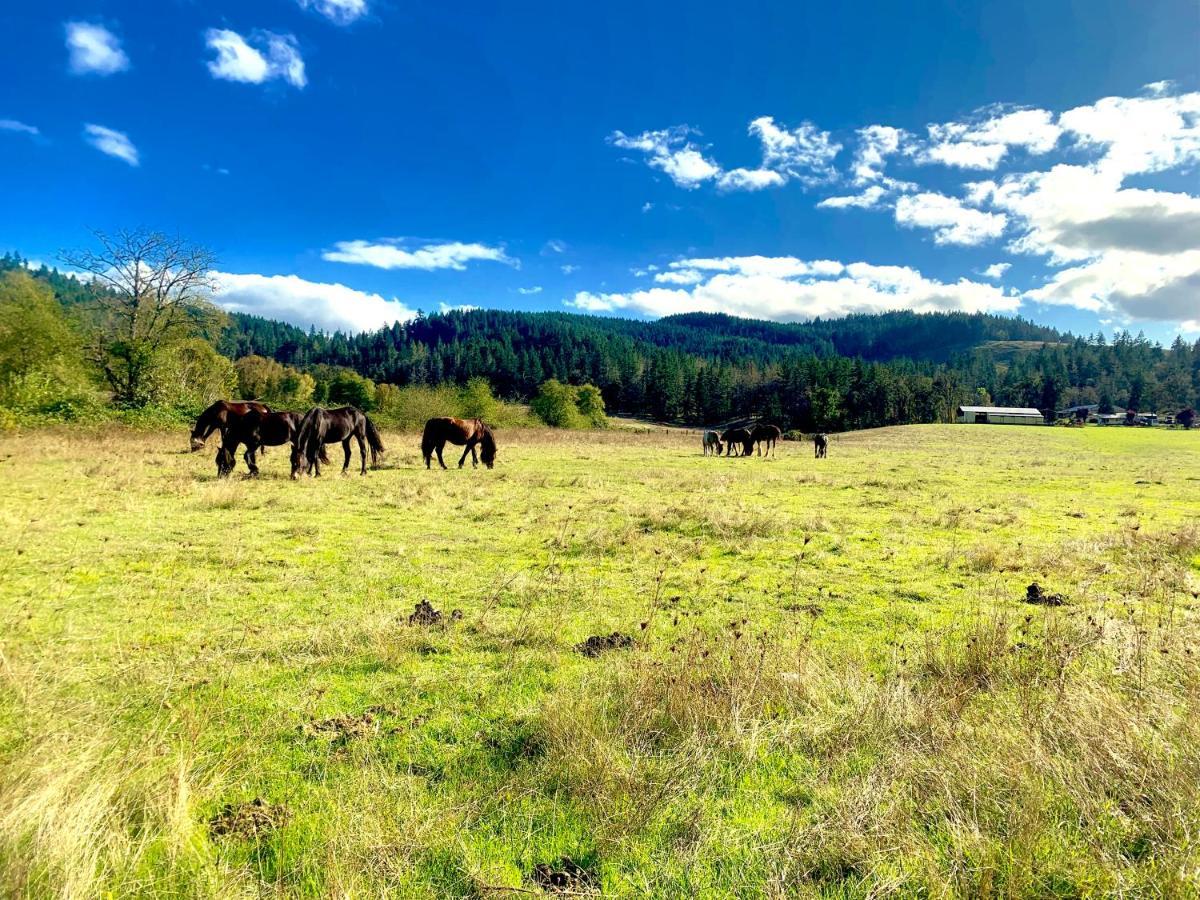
{"type": "Point", "coordinates": [950, 220]}
{"type": "Point", "coordinates": [553, 246]}
{"type": "Point", "coordinates": [391, 255]}
{"type": "Point", "coordinates": [996, 270]}
{"type": "Point", "coordinates": [536, 289]}
{"type": "Point", "coordinates": [444, 308]}
{"type": "Point", "coordinates": [748, 180]}
{"type": "Point", "coordinates": [270, 56]}
{"type": "Point", "coordinates": [869, 198]}
{"type": "Point", "coordinates": [647, 206]}
{"type": "Point", "coordinates": [19, 127]}
{"type": "Point", "coordinates": [1138, 135]}
{"type": "Point", "coordinates": [1137, 285]}
{"type": "Point", "coordinates": [790, 289]}
{"type": "Point", "coordinates": [875, 144]}
{"type": "Point", "coordinates": [984, 143]}
{"type": "Point", "coordinates": [805, 152]}
{"type": "Point", "coordinates": [340, 12]}
{"type": "Point", "coordinates": [94, 49]}
{"type": "Point", "coordinates": [670, 151]}
{"type": "Point", "coordinates": [568, 269]}
{"type": "Point", "coordinates": [1159, 87]}
{"type": "Point", "coordinates": [682, 276]}
{"type": "Point", "coordinates": [114, 143]}
{"type": "Point", "coordinates": [330, 307]}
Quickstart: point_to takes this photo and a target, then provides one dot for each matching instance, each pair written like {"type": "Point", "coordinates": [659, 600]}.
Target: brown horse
{"type": "Point", "coordinates": [468, 432]}
{"type": "Point", "coordinates": [220, 416]}
{"type": "Point", "coordinates": [330, 426]}
{"type": "Point", "coordinates": [820, 446]}
{"type": "Point", "coordinates": [737, 439]}
{"type": "Point", "coordinates": [257, 430]}
{"type": "Point", "coordinates": [765, 434]}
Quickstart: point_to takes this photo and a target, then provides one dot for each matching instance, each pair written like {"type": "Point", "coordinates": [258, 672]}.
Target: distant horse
{"type": "Point", "coordinates": [220, 416]}
{"type": "Point", "coordinates": [465, 433]}
{"type": "Point", "coordinates": [820, 446]}
{"type": "Point", "coordinates": [257, 430]}
{"type": "Point", "coordinates": [712, 443]}
{"type": "Point", "coordinates": [330, 426]}
{"type": "Point", "coordinates": [765, 434]}
{"type": "Point", "coordinates": [735, 438]}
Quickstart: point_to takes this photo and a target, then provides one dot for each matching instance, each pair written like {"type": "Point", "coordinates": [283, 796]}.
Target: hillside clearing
{"type": "Point", "coordinates": [835, 686]}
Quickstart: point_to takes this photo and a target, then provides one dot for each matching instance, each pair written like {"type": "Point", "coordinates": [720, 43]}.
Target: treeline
{"type": "Point", "coordinates": [857, 372]}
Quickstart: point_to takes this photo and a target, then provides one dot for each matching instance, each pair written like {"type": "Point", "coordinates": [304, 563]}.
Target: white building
{"type": "Point", "coordinates": [999, 415]}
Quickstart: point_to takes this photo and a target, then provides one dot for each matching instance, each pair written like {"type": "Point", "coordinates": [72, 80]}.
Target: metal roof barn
{"type": "Point", "coordinates": [999, 415]}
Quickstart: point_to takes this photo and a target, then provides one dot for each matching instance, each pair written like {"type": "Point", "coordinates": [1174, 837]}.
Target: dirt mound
{"type": "Point", "coordinates": [1034, 594]}
{"type": "Point", "coordinates": [564, 875]}
{"type": "Point", "coordinates": [343, 729]}
{"type": "Point", "coordinates": [602, 643]}
{"type": "Point", "coordinates": [247, 820]}
{"type": "Point", "coordinates": [424, 614]}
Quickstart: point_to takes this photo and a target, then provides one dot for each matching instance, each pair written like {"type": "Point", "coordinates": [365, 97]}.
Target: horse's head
{"type": "Point", "coordinates": [197, 442]}
{"type": "Point", "coordinates": [299, 462]}
{"type": "Point", "coordinates": [487, 448]}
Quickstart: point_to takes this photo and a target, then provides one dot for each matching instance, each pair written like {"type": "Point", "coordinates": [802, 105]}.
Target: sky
{"type": "Point", "coordinates": [351, 162]}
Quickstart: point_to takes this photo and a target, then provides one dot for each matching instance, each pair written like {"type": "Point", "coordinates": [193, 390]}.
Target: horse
{"type": "Point", "coordinates": [220, 416]}
{"type": "Point", "coordinates": [712, 443]}
{"type": "Point", "coordinates": [257, 430]}
{"type": "Point", "coordinates": [329, 426]}
{"type": "Point", "coordinates": [820, 446]}
{"type": "Point", "coordinates": [737, 436]}
{"type": "Point", "coordinates": [468, 432]}
{"type": "Point", "coordinates": [765, 434]}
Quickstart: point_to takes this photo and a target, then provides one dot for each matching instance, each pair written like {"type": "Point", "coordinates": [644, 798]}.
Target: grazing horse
{"type": "Point", "coordinates": [712, 443]}
{"type": "Point", "coordinates": [220, 416]}
{"type": "Point", "coordinates": [820, 446]}
{"type": "Point", "coordinates": [468, 432]}
{"type": "Point", "coordinates": [330, 426]}
{"type": "Point", "coordinates": [737, 437]}
{"type": "Point", "coordinates": [258, 430]}
{"type": "Point", "coordinates": [765, 434]}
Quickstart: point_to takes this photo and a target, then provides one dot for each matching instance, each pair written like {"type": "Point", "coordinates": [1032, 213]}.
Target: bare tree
{"type": "Point", "coordinates": [157, 291]}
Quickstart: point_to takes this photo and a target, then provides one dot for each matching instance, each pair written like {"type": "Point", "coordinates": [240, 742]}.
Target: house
{"type": "Point", "coordinates": [1112, 418]}
{"type": "Point", "coordinates": [999, 415]}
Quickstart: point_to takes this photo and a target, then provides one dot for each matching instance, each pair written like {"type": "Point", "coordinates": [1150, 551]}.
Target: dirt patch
{"type": "Point", "coordinates": [425, 614]}
{"type": "Point", "coordinates": [1035, 595]}
{"type": "Point", "coordinates": [343, 729]}
{"type": "Point", "coordinates": [247, 820]}
{"type": "Point", "coordinates": [602, 643]}
{"type": "Point", "coordinates": [564, 875]}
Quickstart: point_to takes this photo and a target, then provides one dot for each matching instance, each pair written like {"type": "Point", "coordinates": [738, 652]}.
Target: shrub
{"type": "Point", "coordinates": [565, 406]}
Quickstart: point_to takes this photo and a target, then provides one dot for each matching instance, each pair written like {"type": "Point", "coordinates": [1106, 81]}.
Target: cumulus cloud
{"type": "Point", "coordinates": [265, 56]}
{"type": "Point", "coordinates": [804, 153]}
{"type": "Point", "coordinates": [391, 254]}
{"type": "Point", "coordinates": [339, 12]}
{"type": "Point", "coordinates": [996, 270]}
{"type": "Point", "coordinates": [569, 269]}
{"type": "Point", "coordinates": [1138, 285]}
{"type": "Point", "coordinates": [875, 144]}
{"type": "Point", "coordinates": [19, 127]}
{"type": "Point", "coordinates": [93, 49]}
{"type": "Point", "coordinates": [444, 308]}
{"type": "Point", "coordinates": [788, 289]}
{"type": "Point", "coordinates": [951, 221]}
{"type": "Point", "coordinates": [329, 307]}
{"type": "Point", "coordinates": [869, 198]}
{"type": "Point", "coordinates": [114, 143]}
{"type": "Point", "coordinates": [983, 143]}
{"type": "Point", "coordinates": [536, 289]}
{"type": "Point", "coordinates": [1136, 135]}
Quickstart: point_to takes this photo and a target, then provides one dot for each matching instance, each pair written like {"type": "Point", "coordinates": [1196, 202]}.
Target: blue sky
{"type": "Point", "coordinates": [352, 161]}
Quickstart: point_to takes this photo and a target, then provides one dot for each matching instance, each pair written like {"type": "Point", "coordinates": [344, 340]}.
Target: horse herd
{"type": "Point", "coordinates": [255, 425]}
{"type": "Point", "coordinates": [742, 441]}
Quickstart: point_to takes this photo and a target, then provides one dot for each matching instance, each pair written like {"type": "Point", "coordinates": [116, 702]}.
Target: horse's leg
{"type": "Point", "coordinates": [467, 449]}
{"type": "Point", "coordinates": [248, 456]}
{"type": "Point", "coordinates": [474, 458]}
{"type": "Point", "coordinates": [441, 445]}
{"type": "Point", "coordinates": [346, 447]}
{"type": "Point", "coordinates": [362, 451]}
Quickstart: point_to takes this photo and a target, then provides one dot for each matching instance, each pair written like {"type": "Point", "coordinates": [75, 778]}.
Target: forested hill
{"type": "Point", "coordinates": [856, 372]}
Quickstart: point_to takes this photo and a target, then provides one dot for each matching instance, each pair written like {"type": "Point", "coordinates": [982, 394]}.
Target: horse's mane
{"type": "Point", "coordinates": [312, 433]}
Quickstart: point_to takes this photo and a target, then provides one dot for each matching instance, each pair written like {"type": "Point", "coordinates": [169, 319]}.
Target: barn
{"type": "Point", "coordinates": [999, 415]}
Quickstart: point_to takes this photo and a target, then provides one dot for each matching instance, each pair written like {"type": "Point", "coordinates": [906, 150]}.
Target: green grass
{"type": "Point", "coordinates": [835, 690]}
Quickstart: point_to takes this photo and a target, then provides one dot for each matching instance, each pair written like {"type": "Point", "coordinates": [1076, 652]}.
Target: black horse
{"type": "Point", "coordinates": [464, 432]}
{"type": "Point", "coordinates": [765, 434]}
{"type": "Point", "coordinates": [330, 426]}
{"type": "Point", "coordinates": [220, 416]}
{"type": "Point", "coordinates": [257, 430]}
{"type": "Point", "coordinates": [735, 438]}
{"type": "Point", "coordinates": [820, 446]}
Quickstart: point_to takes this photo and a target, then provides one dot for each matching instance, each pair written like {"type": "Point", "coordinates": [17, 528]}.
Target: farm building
{"type": "Point", "coordinates": [999, 415]}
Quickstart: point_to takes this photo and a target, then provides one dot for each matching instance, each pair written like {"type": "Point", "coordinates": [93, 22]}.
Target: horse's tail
{"type": "Point", "coordinates": [428, 441]}
{"type": "Point", "coordinates": [374, 440]}
{"type": "Point", "coordinates": [311, 431]}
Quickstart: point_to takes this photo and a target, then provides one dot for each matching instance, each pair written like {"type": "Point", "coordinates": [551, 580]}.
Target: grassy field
{"type": "Point", "coordinates": [834, 688]}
